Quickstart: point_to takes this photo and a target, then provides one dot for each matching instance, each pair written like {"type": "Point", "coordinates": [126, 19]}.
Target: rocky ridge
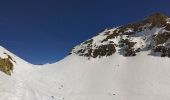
{"type": "Point", "coordinates": [152, 33]}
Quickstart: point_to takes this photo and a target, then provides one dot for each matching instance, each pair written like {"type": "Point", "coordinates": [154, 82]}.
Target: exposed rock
{"type": "Point", "coordinates": [6, 66]}
{"type": "Point", "coordinates": [163, 50]}
{"type": "Point", "coordinates": [104, 50]}
{"type": "Point", "coordinates": [111, 36]}
{"type": "Point", "coordinates": [157, 19]}
{"type": "Point", "coordinates": [152, 33]}
{"type": "Point", "coordinates": [162, 38]}
{"type": "Point", "coordinates": [128, 47]}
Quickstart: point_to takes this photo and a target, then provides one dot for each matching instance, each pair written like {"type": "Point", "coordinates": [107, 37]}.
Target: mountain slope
{"type": "Point", "coordinates": [129, 62]}
{"type": "Point", "coordinates": [152, 33]}
{"type": "Point", "coordinates": [16, 87]}
{"type": "Point", "coordinates": [142, 77]}
{"type": "Point", "coordinates": [124, 63]}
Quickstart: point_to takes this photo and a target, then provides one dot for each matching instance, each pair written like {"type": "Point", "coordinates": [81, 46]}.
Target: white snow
{"type": "Point", "coordinates": [142, 77]}
{"type": "Point", "coordinates": [168, 20]}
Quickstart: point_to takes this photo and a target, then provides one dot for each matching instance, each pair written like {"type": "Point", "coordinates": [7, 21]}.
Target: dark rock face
{"type": "Point", "coordinates": [152, 33]}
{"type": "Point", "coordinates": [111, 36]}
{"type": "Point", "coordinates": [163, 50]}
{"type": "Point", "coordinates": [104, 50]}
{"type": "Point", "coordinates": [161, 38]}
{"type": "Point", "coordinates": [128, 47]}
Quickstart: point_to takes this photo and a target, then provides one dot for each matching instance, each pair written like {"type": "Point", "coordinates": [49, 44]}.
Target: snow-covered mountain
{"type": "Point", "coordinates": [129, 62]}
{"type": "Point", "coordinates": [152, 33]}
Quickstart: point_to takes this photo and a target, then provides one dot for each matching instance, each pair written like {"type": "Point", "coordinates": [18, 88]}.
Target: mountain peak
{"type": "Point", "coordinates": [157, 16]}
{"type": "Point", "coordinates": [151, 34]}
{"type": "Point", "coordinates": [158, 19]}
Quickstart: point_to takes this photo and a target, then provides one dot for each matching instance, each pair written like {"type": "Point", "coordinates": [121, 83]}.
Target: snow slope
{"type": "Point", "coordinates": [16, 87]}
{"type": "Point", "coordinates": [141, 77]}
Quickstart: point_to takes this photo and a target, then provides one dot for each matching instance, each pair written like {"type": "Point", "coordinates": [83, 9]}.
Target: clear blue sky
{"type": "Point", "coordinates": [42, 31]}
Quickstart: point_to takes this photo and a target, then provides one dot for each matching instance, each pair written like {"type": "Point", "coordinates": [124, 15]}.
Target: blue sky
{"type": "Point", "coordinates": [42, 31]}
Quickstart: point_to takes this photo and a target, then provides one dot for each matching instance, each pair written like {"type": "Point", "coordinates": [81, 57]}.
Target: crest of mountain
{"type": "Point", "coordinates": [152, 33]}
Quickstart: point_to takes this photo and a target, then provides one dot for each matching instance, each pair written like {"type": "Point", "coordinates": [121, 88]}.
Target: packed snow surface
{"type": "Point", "coordinates": [142, 77]}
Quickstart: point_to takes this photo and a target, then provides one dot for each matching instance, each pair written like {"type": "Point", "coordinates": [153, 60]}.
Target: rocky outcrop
{"type": "Point", "coordinates": [6, 66]}
{"type": "Point", "coordinates": [152, 33]}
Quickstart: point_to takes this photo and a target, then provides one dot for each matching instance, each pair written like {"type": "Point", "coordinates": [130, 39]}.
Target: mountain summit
{"type": "Point", "coordinates": [152, 33]}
